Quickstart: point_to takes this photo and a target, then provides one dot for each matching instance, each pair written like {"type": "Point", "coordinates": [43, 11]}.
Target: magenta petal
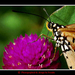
{"type": "Point", "coordinates": [55, 66]}
{"type": "Point", "coordinates": [46, 64]}
{"type": "Point", "coordinates": [26, 36]}
{"type": "Point", "coordinates": [5, 55]}
{"type": "Point", "coordinates": [21, 36]}
{"type": "Point", "coordinates": [26, 53]}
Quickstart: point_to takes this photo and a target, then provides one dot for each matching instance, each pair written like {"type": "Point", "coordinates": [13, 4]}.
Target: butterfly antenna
{"type": "Point", "coordinates": [49, 19]}
{"type": "Point", "coordinates": [47, 14]}
{"type": "Point", "coordinates": [30, 14]}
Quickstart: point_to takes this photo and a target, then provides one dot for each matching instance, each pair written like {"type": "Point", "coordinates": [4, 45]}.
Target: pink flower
{"type": "Point", "coordinates": [23, 54]}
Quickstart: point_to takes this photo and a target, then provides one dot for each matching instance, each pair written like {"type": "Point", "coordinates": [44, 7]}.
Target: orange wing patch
{"type": "Point", "coordinates": [68, 34]}
{"type": "Point", "coordinates": [70, 26]}
{"type": "Point", "coordinates": [67, 29]}
{"type": "Point", "coordinates": [70, 37]}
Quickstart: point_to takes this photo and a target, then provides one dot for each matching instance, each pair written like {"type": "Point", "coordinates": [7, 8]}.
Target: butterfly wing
{"type": "Point", "coordinates": [70, 26]}
{"type": "Point", "coordinates": [69, 55]}
{"type": "Point", "coordinates": [67, 29]}
{"type": "Point", "coordinates": [70, 36]}
{"type": "Point", "coordinates": [70, 59]}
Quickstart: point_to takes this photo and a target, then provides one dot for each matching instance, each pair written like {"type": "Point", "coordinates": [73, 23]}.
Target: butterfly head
{"type": "Point", "coordinates": [49, 26]}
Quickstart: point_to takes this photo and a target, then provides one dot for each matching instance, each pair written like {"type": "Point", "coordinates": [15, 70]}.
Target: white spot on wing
{"type": "Point", "coordinates": [57, 27]}
{"type": "Point", "coordinates": [58, 41]}
{"type": "Point", "coordinates": [54, 25]}
{"type": "Point", "coordinates": [65, 46]}
{"type": "Point", "coordinates": [58, 44]}
{"type": "Point", "coordinates": [62, 26]}
{"type": "Point", "coordinates": [54, 29]}
{"type": "Point", "coordinates": [61, 38]}
{"type": "Point", "coordinates": [61, 42]}
{"type": "Point", "coordinates": [56, 33]}
{"type": "Point", "coordinates": [66, 41]}
{"type": "Point", "coordinates": [62, 48]}
{"type": "Point", "coordinates": [55, 38]}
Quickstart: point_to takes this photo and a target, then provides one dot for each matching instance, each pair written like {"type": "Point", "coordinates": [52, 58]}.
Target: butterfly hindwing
{"type": "Point", "coordinates": [69, 44]}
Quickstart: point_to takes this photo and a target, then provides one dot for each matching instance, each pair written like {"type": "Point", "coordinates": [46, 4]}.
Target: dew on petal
{"type": "Point", "coordinates": [18, 63]}
{"type": "Point", "coordinates": [14, 43]}
{"type": "Point", "coordinates": [12, 48]}
{"type": "Point", "coordinates": [10, 56]}
{"type": "Point", "coordinates": [13, 64]}
{"type": "Point", "coordinates": [44, 44]}
{"type": "Point", "coordinates": [43, 56]}
{"type": "Point", "coordinates": [6, 51]}
{"type": "Point", "coordinates": [41, 65]}
{"type": "Point", "coordinates": [29, 65]}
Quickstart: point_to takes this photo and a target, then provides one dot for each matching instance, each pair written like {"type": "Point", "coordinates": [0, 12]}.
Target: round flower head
{"type": "Point", "coordinates": [26, 54]}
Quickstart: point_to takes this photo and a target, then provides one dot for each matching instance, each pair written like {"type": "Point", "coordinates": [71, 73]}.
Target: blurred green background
{"type": "Point", "coordinates": [13, 24]}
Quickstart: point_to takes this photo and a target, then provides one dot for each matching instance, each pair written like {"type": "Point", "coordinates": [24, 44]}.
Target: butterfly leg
{"type": "Point", "coordinates": [54, 53]}
{"type": "Point", "coordinates": [62, 53]}
{"type": "Point", "coordinates": [52, 36]}
{"type": "Point", "coordinates": [43, 35]}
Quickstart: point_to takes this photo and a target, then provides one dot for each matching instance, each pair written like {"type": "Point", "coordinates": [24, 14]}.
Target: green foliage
{"type": "Point", "coordinates": [13, 24]}
{"type": "Point", "coordinates": [62, 16]}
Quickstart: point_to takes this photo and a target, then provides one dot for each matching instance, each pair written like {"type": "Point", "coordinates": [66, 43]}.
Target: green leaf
{"type": "Point", "coordinates": [63, 16]}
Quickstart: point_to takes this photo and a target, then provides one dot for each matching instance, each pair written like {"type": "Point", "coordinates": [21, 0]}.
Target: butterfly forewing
{"type": "Point", "coordinates": [69, 34]}
{"type": "Point", "coordinates": [70, 26]}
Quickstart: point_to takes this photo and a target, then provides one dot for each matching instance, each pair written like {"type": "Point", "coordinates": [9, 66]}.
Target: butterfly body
{"type": "Point", "coordinates": [65, 38]}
